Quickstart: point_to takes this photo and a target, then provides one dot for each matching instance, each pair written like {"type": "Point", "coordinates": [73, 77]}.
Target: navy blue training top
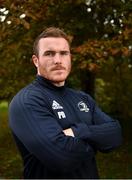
{"type": "Point", "coordinates": [40, 112]}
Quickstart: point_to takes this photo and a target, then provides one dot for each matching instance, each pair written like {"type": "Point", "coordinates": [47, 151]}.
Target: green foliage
{"type": "Point", "coordinates": [113, 88]}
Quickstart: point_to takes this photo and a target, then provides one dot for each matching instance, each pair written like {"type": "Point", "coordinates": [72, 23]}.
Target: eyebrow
{"type": "Point", "coordinates": [53, 51]}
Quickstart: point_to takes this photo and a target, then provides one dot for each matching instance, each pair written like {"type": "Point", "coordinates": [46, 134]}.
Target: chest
{"type": "Point", "coordinates": [70, 109]}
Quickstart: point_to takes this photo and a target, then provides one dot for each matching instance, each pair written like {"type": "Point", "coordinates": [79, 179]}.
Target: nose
{"type": "Point", "coordinates": [57, 58]}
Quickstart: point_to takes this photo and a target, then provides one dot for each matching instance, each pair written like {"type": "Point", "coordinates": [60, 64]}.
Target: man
{"type": "Point", "coordinates": [59, 130]}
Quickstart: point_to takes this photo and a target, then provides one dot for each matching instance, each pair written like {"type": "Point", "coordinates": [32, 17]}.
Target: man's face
{"type": "Point", "coordinates": [54, 59]}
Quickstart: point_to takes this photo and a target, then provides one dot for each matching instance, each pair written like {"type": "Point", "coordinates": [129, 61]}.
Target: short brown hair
{"type": "Point", "coordinates": [49, 32]}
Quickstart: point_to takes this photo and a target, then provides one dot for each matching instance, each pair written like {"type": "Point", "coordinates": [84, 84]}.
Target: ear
{"type": "Point", "coordinates": [35, 60]}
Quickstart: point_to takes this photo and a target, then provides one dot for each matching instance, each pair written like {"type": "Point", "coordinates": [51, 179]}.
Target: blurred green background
{"type": "Point", "coordinates": [101, 37]}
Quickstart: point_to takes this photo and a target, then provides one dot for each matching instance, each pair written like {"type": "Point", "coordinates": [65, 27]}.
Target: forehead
{"type": "Point", "coordinates": [53, 43]}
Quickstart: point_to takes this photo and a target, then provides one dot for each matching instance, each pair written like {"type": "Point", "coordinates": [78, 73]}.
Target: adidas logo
{"type": "Point", "coordinates": [56, 105]}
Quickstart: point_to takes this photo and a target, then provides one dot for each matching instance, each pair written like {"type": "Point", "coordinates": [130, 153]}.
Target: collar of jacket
{"type": "Point", "coordinates": [47, 84]}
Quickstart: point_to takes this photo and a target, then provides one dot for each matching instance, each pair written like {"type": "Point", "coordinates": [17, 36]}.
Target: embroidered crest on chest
{"type": "Point", "coordinates": [83, 106]}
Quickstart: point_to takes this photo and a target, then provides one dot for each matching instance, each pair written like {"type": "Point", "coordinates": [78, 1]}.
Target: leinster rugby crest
{"type": "Point", "coordinates": [83, 106]}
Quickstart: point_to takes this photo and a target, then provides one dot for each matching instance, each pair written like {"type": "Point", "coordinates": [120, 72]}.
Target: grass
{"type": "Point", "coordinates": [10, 161]}
{"type": "Point", "coordinates": [118, 164]}
{"type": "Point", "coordinates": [115, 165]}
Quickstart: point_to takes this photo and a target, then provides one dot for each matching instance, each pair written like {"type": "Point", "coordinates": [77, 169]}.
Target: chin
{"type": "Point", "coordinates": [59, 79]}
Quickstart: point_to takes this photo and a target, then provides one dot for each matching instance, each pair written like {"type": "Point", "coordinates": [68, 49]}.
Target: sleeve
{"type": "Point", "coordinates": [36, 127]}
{"type": "Point", "coordinates": [104, 134]}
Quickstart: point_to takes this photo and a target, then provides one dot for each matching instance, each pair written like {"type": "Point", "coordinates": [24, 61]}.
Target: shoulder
{"type": "Point", "coordinates": [30, 94]}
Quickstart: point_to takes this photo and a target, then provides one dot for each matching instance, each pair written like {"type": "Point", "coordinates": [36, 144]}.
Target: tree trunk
{"type": "Point", "coordinates": [88, 82]}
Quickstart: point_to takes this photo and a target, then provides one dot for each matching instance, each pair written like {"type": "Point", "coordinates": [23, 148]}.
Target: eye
{"type": "Point", "coordinates": [49, 53]}
{"type": "Point", "coordinates": [64, 53]}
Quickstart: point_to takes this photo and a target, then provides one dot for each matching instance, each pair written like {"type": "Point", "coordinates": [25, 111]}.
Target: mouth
{"type": "Point", "coordinates": [58, 68]}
